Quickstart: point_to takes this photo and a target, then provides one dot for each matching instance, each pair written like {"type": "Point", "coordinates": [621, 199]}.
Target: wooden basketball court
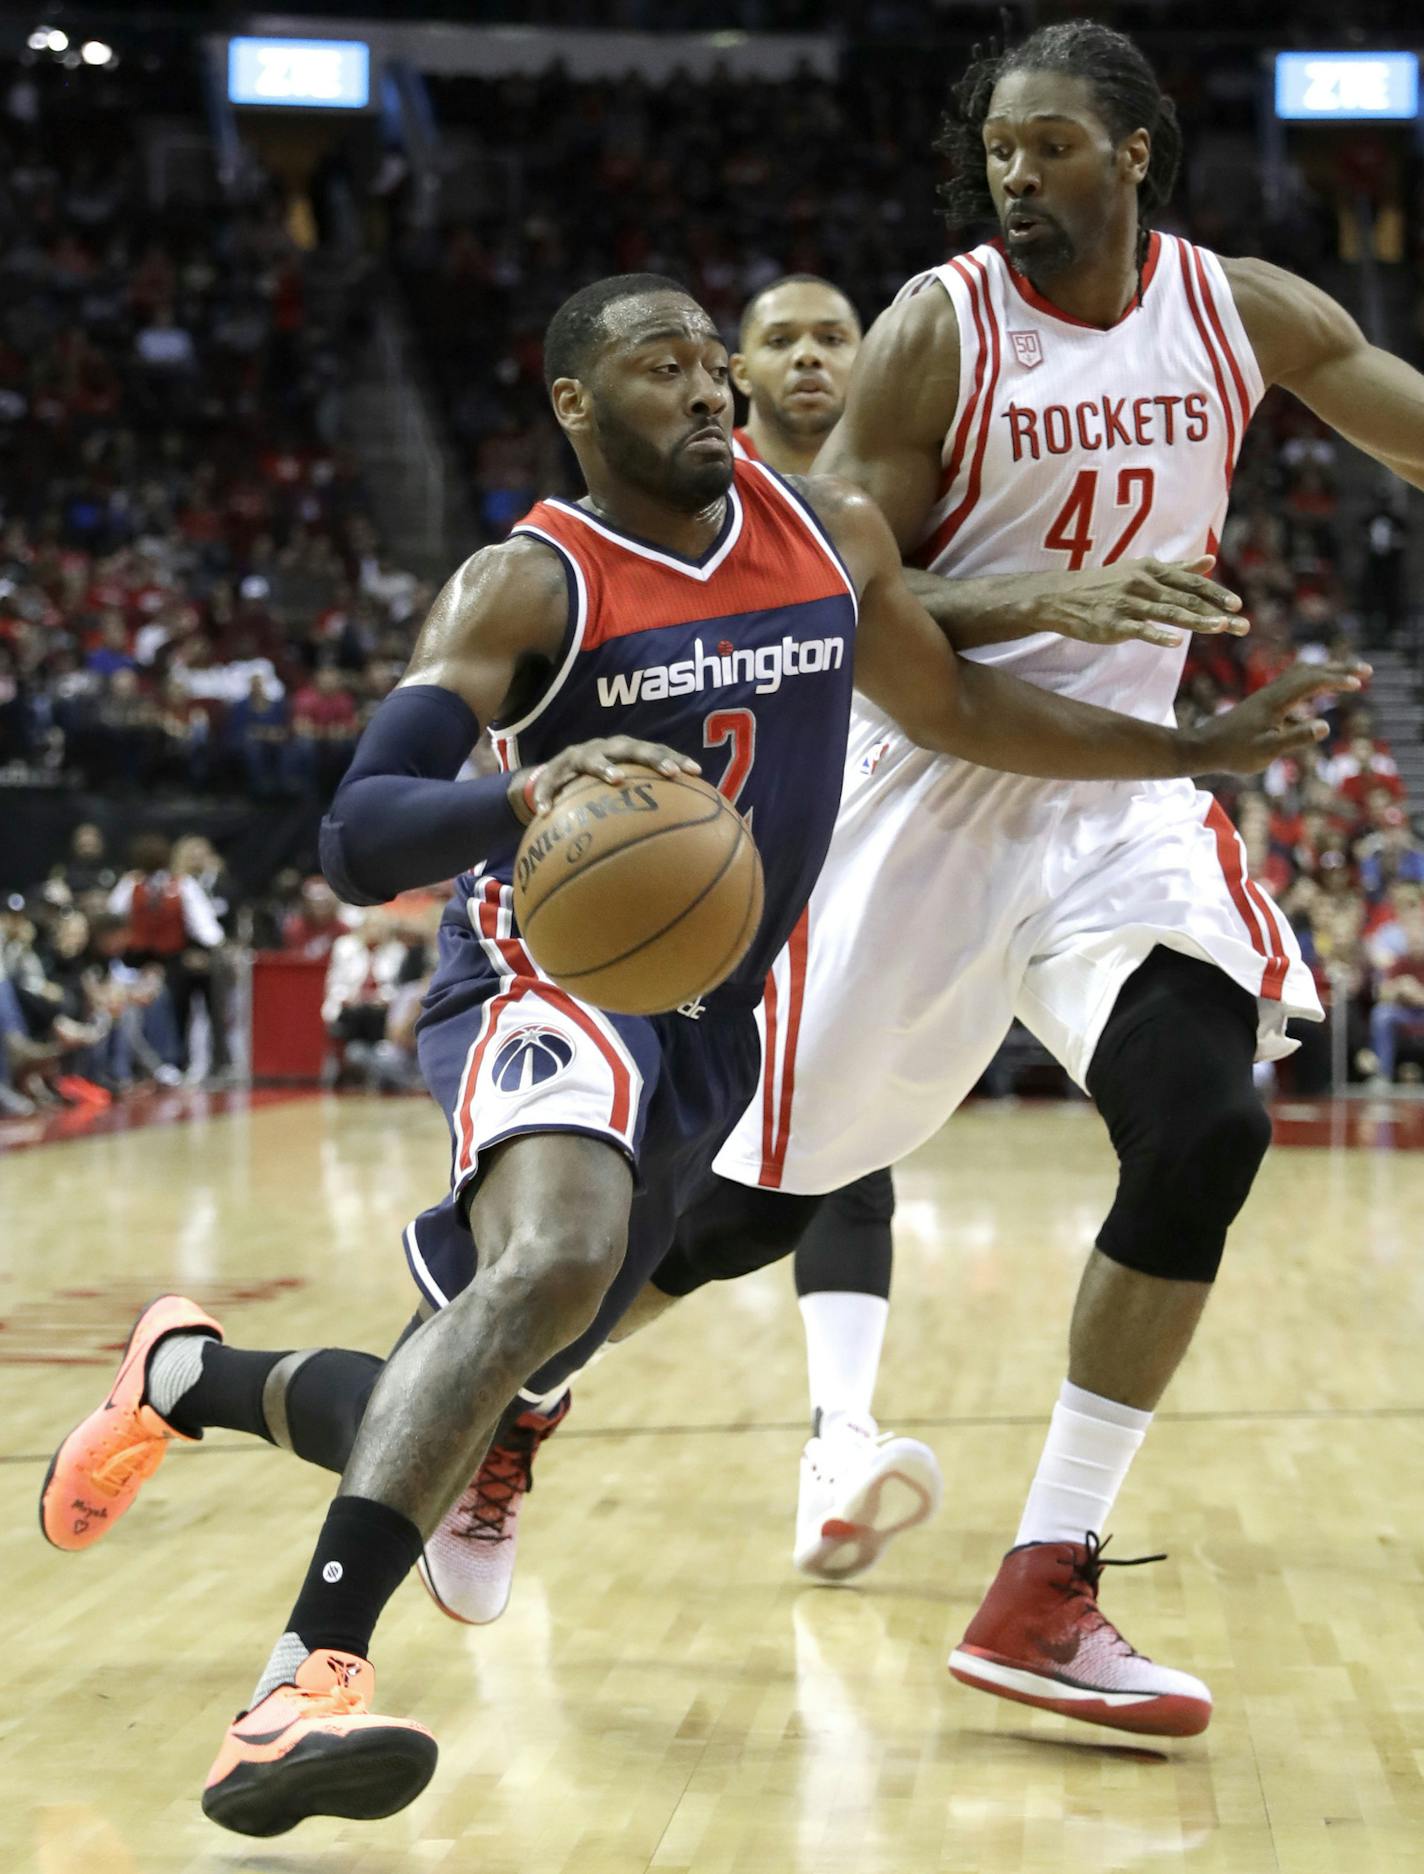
{"type": "Point", "coordinates": [665, 1696]}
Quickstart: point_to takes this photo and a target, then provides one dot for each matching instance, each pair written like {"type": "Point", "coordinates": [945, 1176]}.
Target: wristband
{"type": "Point", "coordinates": [526, 793]}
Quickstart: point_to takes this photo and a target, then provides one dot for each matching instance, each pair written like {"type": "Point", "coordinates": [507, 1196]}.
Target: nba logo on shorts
{"type": "Point", "coordinates": [531, 1057]}
{"type": "Point", "coordinates": [1028, 349]}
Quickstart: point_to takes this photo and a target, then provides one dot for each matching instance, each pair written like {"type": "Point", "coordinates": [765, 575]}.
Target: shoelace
{"type": "Point", "coordinates": [140, 1460]}
{"type": "Point", "coordinates": [1085, 1575]}
{"type": "Point", "coordinates": [336, 1701]}
{"type": "Point", "coordinates": [503, 1478]}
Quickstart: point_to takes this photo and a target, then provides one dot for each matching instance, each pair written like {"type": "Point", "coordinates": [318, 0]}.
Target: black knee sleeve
{"type": "Point", "coordinates": [730, 1231]}
{"type": "Point", "coordinates": [326, 1401]}
{"type": "Point", "coordinates": [847, 1245]}
{"type": "Point", "coordinates": [1172, 1078]}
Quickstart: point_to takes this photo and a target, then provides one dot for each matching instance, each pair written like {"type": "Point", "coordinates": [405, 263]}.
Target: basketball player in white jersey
{"type": "Point", "coordinates": [858, 1489]}
{"type": "Point", "coordinates": [1061, 398]}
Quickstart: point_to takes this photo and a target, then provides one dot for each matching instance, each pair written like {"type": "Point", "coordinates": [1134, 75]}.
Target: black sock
{"type": "Point", "coordinates": [363, 1554]}
{"type": "Point", "coordinates": [227, 1392]}
{"type": "Point", "coordinates": [326, 1401]}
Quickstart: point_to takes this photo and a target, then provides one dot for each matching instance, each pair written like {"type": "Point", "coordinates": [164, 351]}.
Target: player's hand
{"type": "Point", "coordinates": [533, 791]}
{"type": "Point", "coordinates": [1250, 737]}
{"type": "Point", "coordinates": [1137, 600]}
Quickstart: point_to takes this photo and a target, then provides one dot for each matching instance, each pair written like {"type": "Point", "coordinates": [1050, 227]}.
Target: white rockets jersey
{"type": "Point", "coordinates": [1072, 446]}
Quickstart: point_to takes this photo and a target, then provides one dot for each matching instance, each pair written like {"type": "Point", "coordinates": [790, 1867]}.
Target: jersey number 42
{"type": "Point", "coordinates": [1073, 530]}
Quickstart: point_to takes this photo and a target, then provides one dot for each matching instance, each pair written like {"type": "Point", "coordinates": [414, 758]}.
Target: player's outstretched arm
{"type": "Point", "coordinates": [957, 707]}
{"type": "Point", "coordinates": [890, 442]}
{"type": "Point", "coordinates": [1153, 601]}
{"type": "Point", "coordinates": [1306, 342]}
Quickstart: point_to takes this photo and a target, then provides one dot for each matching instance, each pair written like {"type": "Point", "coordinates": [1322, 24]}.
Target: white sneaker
{"type": "Point", "coordinates": [468, 1564]}
{"type": "Point", "coordinates": [859, 1490]}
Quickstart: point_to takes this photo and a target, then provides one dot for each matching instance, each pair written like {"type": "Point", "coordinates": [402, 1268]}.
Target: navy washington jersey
{"type": "Point", "coordinates": [741, 658]}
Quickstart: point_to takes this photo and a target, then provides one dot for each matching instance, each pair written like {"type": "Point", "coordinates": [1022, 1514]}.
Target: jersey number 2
{"type": "Point", "coordinates": [1072, 531]}
{"type": "Point", "coordinates": [737, 726]}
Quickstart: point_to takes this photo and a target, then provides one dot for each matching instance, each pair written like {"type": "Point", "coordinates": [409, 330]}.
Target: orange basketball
{"type": "Point", "coordinates": [638, 897]}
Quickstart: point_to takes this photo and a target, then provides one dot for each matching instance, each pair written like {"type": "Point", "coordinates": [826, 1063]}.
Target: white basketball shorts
{"type": "Point", "coordinates": [943, 914]}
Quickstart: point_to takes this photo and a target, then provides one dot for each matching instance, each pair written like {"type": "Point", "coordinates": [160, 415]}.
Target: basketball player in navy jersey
{"type": "Point", "coordinates": [571, 1183]}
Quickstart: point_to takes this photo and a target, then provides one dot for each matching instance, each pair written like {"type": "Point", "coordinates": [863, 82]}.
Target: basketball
{"type": "Point", "coordinates": [638, 897]}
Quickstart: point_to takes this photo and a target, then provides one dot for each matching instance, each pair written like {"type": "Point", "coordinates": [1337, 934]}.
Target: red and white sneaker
{"type": "Point", "coordinates": [468, 1564]}
{"type": "Point", "coordinates": [1040, 1638]}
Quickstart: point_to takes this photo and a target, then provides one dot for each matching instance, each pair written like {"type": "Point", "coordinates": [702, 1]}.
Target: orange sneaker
{"type": "Point", "coordinates": [103, 1463]}
{"type": "Point", "coordinates": [316, 1748]}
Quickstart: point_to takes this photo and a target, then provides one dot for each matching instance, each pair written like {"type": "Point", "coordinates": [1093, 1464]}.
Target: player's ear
{"type": "Point", "coordinates": [737, 371]}
{"type": "Point", "coordinates": [1134, 154]}
{"type": "Point", "coordinates": [572, 405]}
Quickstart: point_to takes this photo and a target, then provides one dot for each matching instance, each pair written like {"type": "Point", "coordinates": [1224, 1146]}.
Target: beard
{"type": "Point", "coordinates": [1042, 261]}
{"type": "Point", "coordinates": [681, 480]}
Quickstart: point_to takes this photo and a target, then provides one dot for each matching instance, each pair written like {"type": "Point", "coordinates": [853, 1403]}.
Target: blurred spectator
{"type": "Point", "coordinates": [257, 735]}
{"type": "Point", "coordinates": [1390, 855]}
{"type": "Point", "coordinates": [1386, 542]}
{"type": "Point", "coordinates": [362, 976]}
{"type": "Point", "coordinates": [323, 731]}
{"type": "Point", "coordinates": [1398, 1013]}
{"type": "Point", "coordinates": [172, 922]}
{"type": "Point", "coordinates": [87, 868]}
{"type": "Point", "coordinates": [111, 653]}
{"type": "Point", "coordinates": [1362, 765]}
{"type": "Point", "coordinates": [317, 922]}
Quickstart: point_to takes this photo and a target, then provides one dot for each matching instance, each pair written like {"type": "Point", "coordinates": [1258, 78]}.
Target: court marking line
{"type": "Point", "coordinates": [568, 1434]}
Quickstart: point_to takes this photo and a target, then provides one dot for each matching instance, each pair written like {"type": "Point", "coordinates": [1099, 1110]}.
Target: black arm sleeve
{"type": "Point", "coordinates": [399, 818]}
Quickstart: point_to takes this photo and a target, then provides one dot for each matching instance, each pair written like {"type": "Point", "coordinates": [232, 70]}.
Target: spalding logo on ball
{"type": "Point", "coordinates": [530, 1057]}
{"type": "Point", "coordinates": [639, 897]}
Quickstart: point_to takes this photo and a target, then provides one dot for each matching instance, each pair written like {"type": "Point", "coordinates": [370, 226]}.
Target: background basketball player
{"type": "Point", "coordinates": [798, 342]}
{"type": "Point", "coordinates": [672, 538]}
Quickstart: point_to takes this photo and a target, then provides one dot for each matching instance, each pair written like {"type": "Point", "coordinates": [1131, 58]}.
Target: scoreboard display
{"type": "Point", "coordinates": [1382, 87]}
{"type": "Point", "coordinates": [300, 74]}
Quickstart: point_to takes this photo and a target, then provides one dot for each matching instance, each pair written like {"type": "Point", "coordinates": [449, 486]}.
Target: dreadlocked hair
{"type": "Point", "coordinates": [1126, 95]}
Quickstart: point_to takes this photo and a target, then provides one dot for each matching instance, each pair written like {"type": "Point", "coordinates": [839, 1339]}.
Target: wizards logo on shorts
{"type": "Point", "coordinates": [531, 1057]}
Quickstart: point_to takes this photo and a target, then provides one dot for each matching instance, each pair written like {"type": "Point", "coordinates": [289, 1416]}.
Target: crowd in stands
{"type": "Point", "coordinates": [120, 978]}
{"type": "Point", "coordinates": [194, 598]}
{"type": "Point", "coordinates": [192, 595]}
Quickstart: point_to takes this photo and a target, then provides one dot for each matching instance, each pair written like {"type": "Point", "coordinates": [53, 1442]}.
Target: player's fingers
{"type": "Point", "coordinates": [665, 760]}
{"type": "Point", "coordinates": [1294, 735]}
{"type": "Point", "coordinates": [1144, 633]}
{"type": "Point", "coordinates": [1191, 587]}
{"type": "Point", "coordinates": [1304, 680]}
{"type": "Point", "coordinates": [1192, 618]}
{"type": "Point", "coordinates": [651, 755]}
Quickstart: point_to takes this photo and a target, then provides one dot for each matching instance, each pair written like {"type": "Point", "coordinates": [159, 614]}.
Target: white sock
{"type": "Point", "coordinates": [845, 1331]}
{"type": "Point", "coordinates": [1091, 1444]}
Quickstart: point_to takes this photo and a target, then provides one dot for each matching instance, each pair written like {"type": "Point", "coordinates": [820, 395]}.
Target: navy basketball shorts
{"type": "Point", "coordinates": [506, 1054]}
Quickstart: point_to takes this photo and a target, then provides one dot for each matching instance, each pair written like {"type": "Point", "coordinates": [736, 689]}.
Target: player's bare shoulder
{"type": "Point", "coordinates": [908, 366]}
{"type": "Point", "coordinates": [1292, 325]}
{"type": "Point", "coordinates": [855, 523]}
{"type": "Point", "coordinates": [514, 592]}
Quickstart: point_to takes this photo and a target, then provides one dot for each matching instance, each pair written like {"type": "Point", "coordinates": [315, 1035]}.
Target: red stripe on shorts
{"type": "Point", "coordinates": [774, 1162]}
{"type": "Point", "coordinates": [1228, 852]}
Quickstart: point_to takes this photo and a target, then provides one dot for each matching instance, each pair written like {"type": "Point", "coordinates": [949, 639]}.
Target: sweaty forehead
{"type": "Point", "coordinates": [637, 321]}
{"type": "Point", "coordinates": [1021, 95]}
